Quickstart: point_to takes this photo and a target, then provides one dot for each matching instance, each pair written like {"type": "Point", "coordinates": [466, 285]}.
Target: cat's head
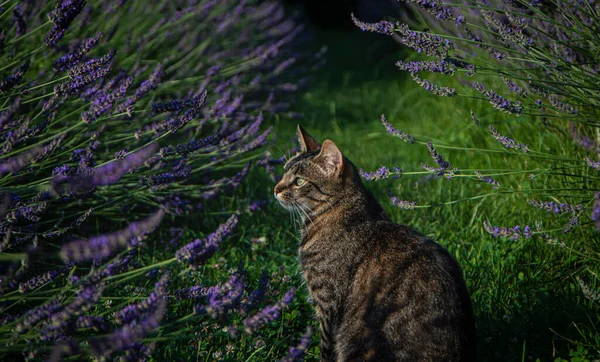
{"type": "Point", "coordinates": [316, 177]}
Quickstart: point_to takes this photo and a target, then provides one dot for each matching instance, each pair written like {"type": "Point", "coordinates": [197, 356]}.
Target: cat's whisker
{"type": "Point", "coordinates": [299, 204]}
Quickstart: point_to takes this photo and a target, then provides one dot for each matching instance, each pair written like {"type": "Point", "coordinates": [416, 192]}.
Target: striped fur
{"type": "Point", "coordinates": [382, 291]}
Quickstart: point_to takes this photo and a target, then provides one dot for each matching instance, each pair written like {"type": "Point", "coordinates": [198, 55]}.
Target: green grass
{"type": "Point", "coordinates": [526, 298]}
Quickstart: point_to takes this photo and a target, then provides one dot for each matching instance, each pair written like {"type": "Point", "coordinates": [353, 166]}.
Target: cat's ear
{"type": "Point", "coordinates": [332, 156]}
{"type": "Point", "coordinates": [307, 143]}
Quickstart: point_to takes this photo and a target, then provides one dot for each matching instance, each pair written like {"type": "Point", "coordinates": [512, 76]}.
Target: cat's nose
{"type": "Point", "coordinates": [278, 188]}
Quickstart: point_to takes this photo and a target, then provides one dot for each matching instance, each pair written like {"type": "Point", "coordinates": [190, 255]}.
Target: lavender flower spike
{"type": "Point", "coordinates": [444, 169]}
{"type": "Point", "coordinates": [296, 353]}
{"type": "Point", "coordinates": [381, 174]}
{"type": "Point", "coordinates": [495, 184]}
{"type": "Point", "coordinates": [403, 204]}
{"type": "Point", "coordinates": [268, 313]}
{"type": "Point", "coordinates": [113, 171]}
{"type": "Point", "coordinates": [382, 27]}
{"type": "Point", "coordinates": [508, 142]}
{"type": "Point", "coordinates": [99, 247]}
{"type": "Point", "coordinates": [223, 298]}
{"type": "Point", "coordinates": [201, 249]}
{"type": "Point", "coordinates": [557, 208]}
{"type": "Point", "coordinates": [396, 132]}
{"type": "Point", "coordinates": [515, 232]}
{"type": "Point", "coordinates": [127, 336]}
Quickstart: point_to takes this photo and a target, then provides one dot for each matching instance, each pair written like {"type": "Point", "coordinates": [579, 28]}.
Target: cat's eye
{"type": "Point", "coordinates": [300, 181]}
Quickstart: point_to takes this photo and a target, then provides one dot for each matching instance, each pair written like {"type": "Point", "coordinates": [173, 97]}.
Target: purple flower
{"type": "Point", "coordinates": [596, 210]}
{"type": "Point", "coordinates": [498, 101]}
{"type": "Point", "coordinates": [7, 116]}
{"type": "Point", "coordinates": [194, 292]}
{"type": "Point", "coordinates": [257, 205]}
{"type": "Point", "coordinates": [91, 65]}
{"type": "Point", "coordinates": [495, 184]}
{"type": "Point", "coordinates": [14, 78]}
{"type": "Point", "coordinates": [257, 295]}
{"type": "Point", "coordinates": [381, 174]}
{"type": "Point", "coordinates": [201, 249]}
{"type": "Point", "coordinates": [75, 84]}
{"type": "Point", "coordinates": [14, 164]}
{"type": "Point", "coordinates": [403, 204]}
{"type": "Point", "coordinates": [20, 21]}
{"type": "Point", "coordinates": [432, 88]}
{"type": "Point", "coordinates": [63, 14]}
{"type": "Point", "coordinates": [444, 169]}
{"type": "Point", "coordinates": [111, 172]}
{"type": "Point", "coordinates": [146, 86]}
{"type": "Point", "coordinates": [90, 322]}
{"type": "Point", "coordinates": [69, 60]}
{"type": "Point", "coordinates": [515, 232]}
{"type": "Point", "coordinates": [442, 66]}
{"type": "Point", "coordinates": [562, 106]}
{"type": "Point", "coordinates": [296, 353]}
{"type": "Point", "coordinates": [268, 314]}
{"type": "Point", "coordinates": [382, 27]}
{"type": "Point", "coordinates": [396, 132]}
{"type": "Point", "coordinates": [557, 208]}
{"type": "Point", "coordinates": [223, 298]}
{"type": "Point", "coordinates": [179, 121]}
{"type": "Point", "coordinates": [40, 280]}
{"type": "Point", "coordinates": [104, 100]}
{"type": "Point", "coordinates": [508, 142]}
{"type": "Point", "coordinates": [422, 42]}
{"type": "Point", "coordinates": [435, 8]}
{"type": "Point", "coordinates": [193, 145]}
{"type": "Point", "coordinates": [102, 246]}
{"type": "Point", "coordinates": [127, 336]}
{"type": "Point", "coordinates": [584, 141]}
{"type": "Point", "coordinates": [37, 314]}
{"type": "Point", "coordinates": [84, 301]}
{"type": "Point", "coordinates": [137, 311]}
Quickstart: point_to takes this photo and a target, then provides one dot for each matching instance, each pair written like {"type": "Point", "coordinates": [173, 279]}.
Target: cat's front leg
{"type": "Point", "coordinates": [327, 342]}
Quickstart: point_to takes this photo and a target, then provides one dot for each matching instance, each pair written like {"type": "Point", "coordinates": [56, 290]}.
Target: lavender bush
{"type": "Point", "coordinates": [536, 64]}
{"type": "Point", "coordinates": [118, 118]}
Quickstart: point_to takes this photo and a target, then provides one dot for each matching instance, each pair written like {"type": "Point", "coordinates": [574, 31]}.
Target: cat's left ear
{"type": "Point", "coordinates": [306, 141]}
{"type": "Point", "coordinates": [332, 156]}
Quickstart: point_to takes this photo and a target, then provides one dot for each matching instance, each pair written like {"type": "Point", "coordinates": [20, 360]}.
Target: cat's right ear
{"type": "Point", "coordinates": [307, 143]}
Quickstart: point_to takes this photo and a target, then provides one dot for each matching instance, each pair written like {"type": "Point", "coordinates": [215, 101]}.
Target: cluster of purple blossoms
{"type": "Point", "coordinates": [508, 142]}
{"type": "Point", "coordinates": [442, 66]}
{"type": "Point", "coordinates": [582, 140]}
{"type": "Point", "coordinates": [596, 210]}
{"type": "Point", "coordinates": [199, 250]}
{"type": "Point", "coordinates": [381, 174]}
{"type": "Point", "coordinates": [515, 232]}
{"type": "Point", "coordinates": [396, 132]}
{"type": "Point", "coordinates": [268, 314]}
{"type": "Point", "coordinates": [62, 16]}
{"type": "Point", "coordinates": [432, 88]}
{"type": "Point", "coordinates": [382, 27]}
{"type": "Point", "coordinates": [8, 82]}
{"type": "Point", "coordinates": [444, 167]}
{"type": "Point", "coordinates": [403, 204]}
{"type": "Point", "coordinates": [296, 353]}
{"type": "Point", "coordinates": [69, 60]}
{"type": "Point", "coordinates": [100, 247]}
{"type": "Point", "coordinates": [495, 184]}
{"type": "Point", "coordinates": [41, 280]}
{"type": "Point", "coordinates": [557, 208]}
{"type": "Point", "coordinates": [223, 298]}
{"type": "Point", "coordinates": [110, 172]}
{"type": "Point", "coordinates": [498, 101]}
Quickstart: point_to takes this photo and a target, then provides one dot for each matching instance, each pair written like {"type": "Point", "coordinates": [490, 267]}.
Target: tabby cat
{"type": "Point", "coordinates": [382, 291]}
